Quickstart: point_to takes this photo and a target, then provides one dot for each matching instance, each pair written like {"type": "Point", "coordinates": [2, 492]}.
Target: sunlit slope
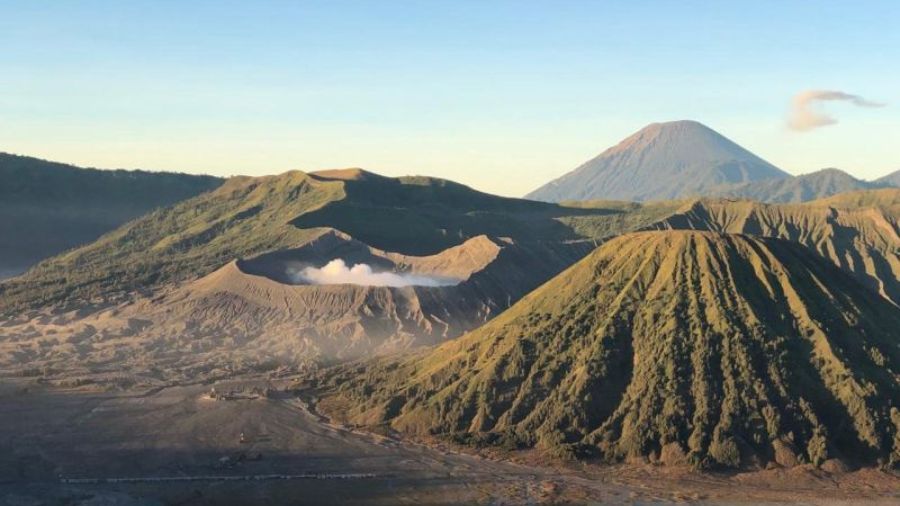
{"type": "Point", "coordinates": [718, 350]}
{"type": "Point", "coordinates": [858, 231]}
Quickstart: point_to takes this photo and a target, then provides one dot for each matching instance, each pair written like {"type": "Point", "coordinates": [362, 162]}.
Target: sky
{"type": "Point", "coordinates": [500, 95]}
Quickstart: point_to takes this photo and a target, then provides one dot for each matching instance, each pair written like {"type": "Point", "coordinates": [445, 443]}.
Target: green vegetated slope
{"type": "Point", "coordinates": [858, 231]}
{"type": "Point", "coordinates": [250, 216]}
{"type": "Point", "coordinates": [687, 347]}
{"type": "Point", "coordinates": [50, 207]}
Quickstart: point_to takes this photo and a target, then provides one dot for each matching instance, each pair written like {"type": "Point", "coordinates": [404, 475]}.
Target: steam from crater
{"type": "Point", "coordinates": [336, 272]}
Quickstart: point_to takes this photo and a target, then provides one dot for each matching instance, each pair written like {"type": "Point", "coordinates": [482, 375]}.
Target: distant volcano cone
{"type": "Point", "coordinates": [661, 161]}
{"type": "Point", "coordinates": [687, 347]}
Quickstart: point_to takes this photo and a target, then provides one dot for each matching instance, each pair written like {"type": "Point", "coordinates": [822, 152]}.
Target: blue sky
{"type": "Point", "coordinates": [499, 95]}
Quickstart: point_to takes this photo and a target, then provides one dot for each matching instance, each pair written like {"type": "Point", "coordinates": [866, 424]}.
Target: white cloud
{"type": "Point", "coordinates": [804, 115]}
{"type": "Point", "coordinates": [336, 272]}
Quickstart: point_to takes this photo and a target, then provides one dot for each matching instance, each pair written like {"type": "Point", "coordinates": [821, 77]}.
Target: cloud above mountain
{"type": "Point", "coordinates": [804, 114]}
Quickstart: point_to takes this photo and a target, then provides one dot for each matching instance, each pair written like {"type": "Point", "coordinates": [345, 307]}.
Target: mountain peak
{"type": "Point", "coordinates": [661, 161]}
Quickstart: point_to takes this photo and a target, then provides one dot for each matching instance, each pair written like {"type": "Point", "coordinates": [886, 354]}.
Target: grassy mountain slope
{"type": "Point", "coordinates": [857, 231]}
{"type": "Point", "coordinates": [720, 350]}
{"type": "Point", "coordinates": [250, 216]}
{"type": "Point", "coordinates": [50, 207]}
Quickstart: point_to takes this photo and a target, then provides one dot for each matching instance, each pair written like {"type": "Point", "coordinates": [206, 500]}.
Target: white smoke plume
{"type": "Point", "coordinates": [805, 116]}
{"type": "Point", "coordinates": [336, 272]}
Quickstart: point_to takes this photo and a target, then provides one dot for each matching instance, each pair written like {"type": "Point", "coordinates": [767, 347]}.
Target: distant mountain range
{"type": "Point", "coordinates": [687, 159]}
{"type": "Point", "coordinates": [50, 207]}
